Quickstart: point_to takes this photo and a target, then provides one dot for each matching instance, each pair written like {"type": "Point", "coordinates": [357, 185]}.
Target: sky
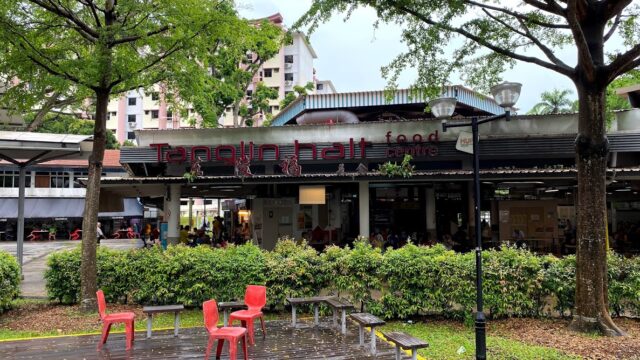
{"type": "Point", "coordinates": [351, 53]}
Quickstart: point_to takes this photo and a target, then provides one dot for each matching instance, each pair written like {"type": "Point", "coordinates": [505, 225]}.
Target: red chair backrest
{"type": "Point", "coordinates": [102, 305]}
{"type": "Point", "coordinates": [210, 312]}
{"type": "Point", "coordinates": [255, 297]}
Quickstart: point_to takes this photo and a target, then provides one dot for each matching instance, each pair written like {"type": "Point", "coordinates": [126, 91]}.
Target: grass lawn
{"type": "Point", "coordinates": [458, 342]}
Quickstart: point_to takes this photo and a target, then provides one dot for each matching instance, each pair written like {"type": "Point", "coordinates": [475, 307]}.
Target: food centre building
{"type": "Point", "coordinates": [314, 173]}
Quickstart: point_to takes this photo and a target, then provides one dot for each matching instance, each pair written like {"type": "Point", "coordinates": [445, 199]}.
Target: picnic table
{"type": "Point", "coordinates": [342, 305]}
{"type": "Point", "coordinates": [175, 309]}
{"type": "Point", "coordinates": [43, 234]}
{"type": "Point", "coordinates": [368, 320]}
{"type": "Point", "coordinates": [405, 341]}
{"type": "Point", "coordinates": [315, 300]}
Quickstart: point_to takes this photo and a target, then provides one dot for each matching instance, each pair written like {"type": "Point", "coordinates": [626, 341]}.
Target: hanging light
{"type": "Point", "coordinates": [443, 107]}
{"type": "Point", "coordinates": [506, 94]}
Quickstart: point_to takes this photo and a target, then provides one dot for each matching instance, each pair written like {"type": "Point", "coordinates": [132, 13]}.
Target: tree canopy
{"type": "Point", "coordinates": [479, 39]}
{"type": "Point", "coordinates": [554, 101]}
{"type": "Point", "coordinates": [98, 49]}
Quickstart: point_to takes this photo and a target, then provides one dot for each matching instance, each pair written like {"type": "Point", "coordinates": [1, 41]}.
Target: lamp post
{"type": "Point", "coordinates": [506, 95]}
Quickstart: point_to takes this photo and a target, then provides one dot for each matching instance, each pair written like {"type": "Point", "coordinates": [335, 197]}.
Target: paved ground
{"type": "Point", "coordinates": [35, 259]}
{"type": "Point", "coordinates": [282, 342]}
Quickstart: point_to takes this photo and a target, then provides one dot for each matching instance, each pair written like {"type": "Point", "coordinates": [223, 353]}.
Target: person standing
{"type": "Point", "coordinates": [99, 233]}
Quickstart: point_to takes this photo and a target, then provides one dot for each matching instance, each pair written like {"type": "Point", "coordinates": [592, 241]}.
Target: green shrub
{"type": "Point", "coordinates": [559, 275]}
{"type": "Point", "coordinates": [9, 280]}
{"type": "Point", "coordinates": [512, 281]}
{"type": "Point", "coordinates": [401, 283]}
{"type": "Point", "coordinates": [63, 276]}
{"type": "Point", "coordinates": [293, 270]}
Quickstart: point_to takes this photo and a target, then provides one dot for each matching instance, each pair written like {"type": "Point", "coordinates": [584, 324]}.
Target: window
{"type": "Point", "coordinates": [275, 108]}
{"type": "Point", "coordinates": [132, 101]}
{"type": "Point", "coordinates": [10, 179]}
{"type": "Point", "coordinates": [288, 59]}
{"type": "Point", "coordinates": [131, 118]}
{"type": "Point", "coordinates": [276, 70]}
{"type": "Point", "coordinates": [169, 115]}
{"type": "Point", "coordinates": [155, 96]}
{"type": "Point", "coordinates": [113, 114]}
{"type": "Point", "coordinates": [288, 76]}
{"type": "Point", "coordinates": [131, 135]}
{"type": "Point", "coordinates": [155, 114]}
{"type": "Point", "coordinates": [249, 93]}
{"type": "Point", "coordinates": [267, 73]}
{"type": "Point", "coordinates": [319, 86]}
{"type": "Point", "coordinates": [59, 180]}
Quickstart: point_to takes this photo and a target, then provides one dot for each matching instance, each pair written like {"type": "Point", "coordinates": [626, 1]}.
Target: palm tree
{"type": "Point", "coordinates": [553, 102]}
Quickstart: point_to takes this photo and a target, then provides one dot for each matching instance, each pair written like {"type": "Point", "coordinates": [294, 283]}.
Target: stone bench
{"type": "Point", "coordinates": [315, 300]}
{"type": "Point", "coordinates": [227, 307]}
{"type": "Point", "coordinates": [367, 320]}
{"type": "Point", "coordinates": [407, 342]}
{"type": "Point", "coordinates": [339, 305]}
{"type": "Point", "coordinates": [175, 309]}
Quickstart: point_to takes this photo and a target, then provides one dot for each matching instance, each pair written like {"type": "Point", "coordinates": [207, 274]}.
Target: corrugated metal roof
{"type": "Point", "coordinates": [380, 98]}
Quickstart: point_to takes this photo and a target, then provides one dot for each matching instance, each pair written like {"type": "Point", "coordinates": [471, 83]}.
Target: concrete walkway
{"type": "Point", "coordinates": [35, 260]}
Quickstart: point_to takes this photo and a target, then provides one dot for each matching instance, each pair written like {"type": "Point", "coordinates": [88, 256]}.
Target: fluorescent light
{"type": "Point", "coordinates": [625, 189]}
{"type": "Point", "coordinates": [312, 195]}
{"type": "Point", "coordinates": [551, 190]}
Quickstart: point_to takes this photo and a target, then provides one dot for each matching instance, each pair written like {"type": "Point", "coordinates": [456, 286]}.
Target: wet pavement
{"type": "Point", "coordinates": [35, 259]}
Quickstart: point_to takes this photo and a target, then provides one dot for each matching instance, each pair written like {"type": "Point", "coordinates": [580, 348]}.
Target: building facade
{"type": "Point", "coordinates": [54, 196]}
{"type": "Point", "coordinates": [322, 181]}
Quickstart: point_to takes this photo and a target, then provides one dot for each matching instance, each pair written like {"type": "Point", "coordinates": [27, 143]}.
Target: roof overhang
{"type": "Point", "coordinates": [28, 148]}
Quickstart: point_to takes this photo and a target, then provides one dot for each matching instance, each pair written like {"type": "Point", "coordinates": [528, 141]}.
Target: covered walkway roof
{"type": "Point", "coordinates": [29, 148]}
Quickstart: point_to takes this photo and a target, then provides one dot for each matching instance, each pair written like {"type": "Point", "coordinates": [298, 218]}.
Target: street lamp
{"type": "Point", "coordinates": [506, 95]}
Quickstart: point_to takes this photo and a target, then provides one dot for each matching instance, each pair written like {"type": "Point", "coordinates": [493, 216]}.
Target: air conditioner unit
{"type": "Point", "coordinates": [132, 125]}
{"type": "Point", "coordinates": [288, 82]}
{"type": "Point", "coordinates": [288, 65]}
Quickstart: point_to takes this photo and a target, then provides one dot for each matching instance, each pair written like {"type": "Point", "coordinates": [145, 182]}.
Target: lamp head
{"type": "Point", "coordinates": [443, 107]}
{"type": "Point", "coordinates": [506, 94]}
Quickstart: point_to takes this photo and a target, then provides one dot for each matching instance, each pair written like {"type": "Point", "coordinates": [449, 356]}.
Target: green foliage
{"type": "Point", "coordinates": [63, 276]}
{"type": "Point", "coordinates": [258, 104]}
{"type": "Point", "coordinates": [555, 101]}
{"type": "Point", "coordinates": [293, 270]}
{"type": "Point", "coordinates": [296, 93]}
{"type": "Point", "coordinates": [402, 283]}
{"type": "Point", "coordinates": [391, 169]}
{"type": "Point", "coordinates": [128, 143]}
{"type": "Point", "coordinates": [9, 280]}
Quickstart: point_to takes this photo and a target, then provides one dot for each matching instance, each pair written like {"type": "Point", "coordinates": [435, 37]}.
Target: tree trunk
{"type": "Point", "coordinates": [591, 301]}
{"type": "Point", "coordinates": [89, 266]}
{"type": "Point", "coordinates": [236, 116]}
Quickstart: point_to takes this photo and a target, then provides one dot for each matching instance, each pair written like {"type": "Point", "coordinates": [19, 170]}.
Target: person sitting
{"type": "Point", "coordinates": [184, 235]}
{"type": "Point", "coordinates": [131, 233]}
{"type": "Point", "coordinates": [518, 237]}
{"type": "Point", "coordinates": [52, 233]}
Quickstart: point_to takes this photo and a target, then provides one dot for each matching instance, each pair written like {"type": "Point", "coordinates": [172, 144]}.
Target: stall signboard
{"type": "Point", "coordinates": [397, 145]}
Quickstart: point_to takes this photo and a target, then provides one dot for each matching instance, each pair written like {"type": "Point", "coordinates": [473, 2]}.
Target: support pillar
{"type": "Point", "coordinates": [172, 213]}
{"type": "Point", "coordinates": [20, 234]}
{"type": "Point", "coordinates": [430, 195]}
{"type": "Point", "coordinates": [190, 212]}
{"type": "Point", "coordinates": [363, 207]}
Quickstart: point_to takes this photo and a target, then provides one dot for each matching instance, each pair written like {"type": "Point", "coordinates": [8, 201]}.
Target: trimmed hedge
{"type": "Point", "coordinates": [9, 280]}
{"type": "Point", "coordinates": [398, 283]}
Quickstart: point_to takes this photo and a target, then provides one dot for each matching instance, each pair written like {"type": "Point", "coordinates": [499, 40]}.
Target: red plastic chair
{"type": "Point", "coordinates": [255, 297]}
{"type": "Point", "coordinates": [107, 320]}
{"type": "Point", "coordinates": [75, 235]}
{"type": "Point", "coordinates": [231, 334]}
